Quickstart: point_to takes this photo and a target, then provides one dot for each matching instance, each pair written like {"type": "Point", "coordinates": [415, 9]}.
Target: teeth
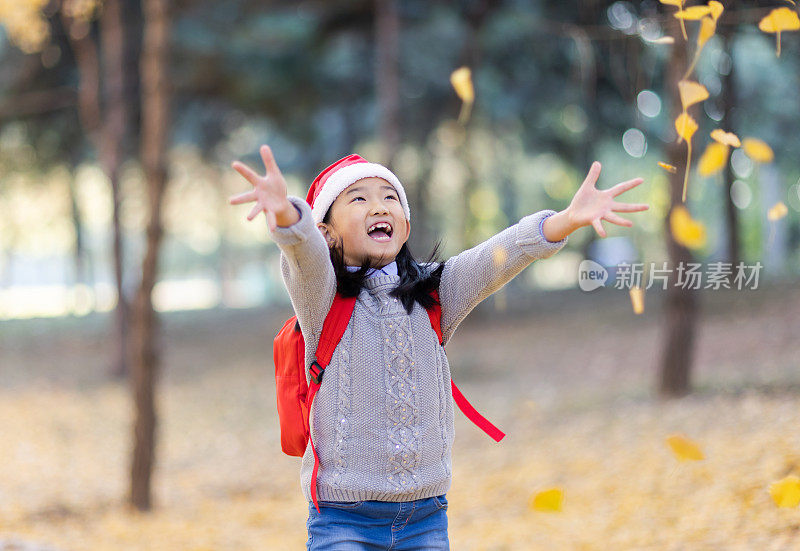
{"type": "Point", "coordinates": [380, 226]}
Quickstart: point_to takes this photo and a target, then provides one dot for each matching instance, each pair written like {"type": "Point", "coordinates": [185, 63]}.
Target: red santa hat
{"type": "Point", "coordinates": [337, 177]}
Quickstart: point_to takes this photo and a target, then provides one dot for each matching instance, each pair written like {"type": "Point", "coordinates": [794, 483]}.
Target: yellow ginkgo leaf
{"type": "Point", "coordinates": [758, 150]}
{"type": "Point", "coordinates": [713, 159]}
{"type": "Point", "coordinates": [683, 448]}
{"type": "Point", "coordinates": [691, 92]}
{"type": "Point", "coordinates": [686, 126]}
{"type": "Point", "coordinates": [461, 79]}
{"type": "Point", "coordinates": [786, 492]}
{"type": "Point", "coordinates": [777, 211]}
{"type": "Point", "coordinates": [678, 4]}
{"type": "Point", "coordinates": [686, 231]}
{"type": "Point", "coordinates": [693, 13]}
{"type": "Point", "coordinates": [547, 500]}
{"type": "Point", "coordinates": [716, 9]}
{"type": "Point", "coordinates": [667, 167]}
{"type": "Point", "coordinates": [637, 299]}
{"type": "Point", "coordinates": [777, 21]}
{"type": "Point", "coordinates": [708, 26]}
{"type": "Point", "coordinates": [727, 138]}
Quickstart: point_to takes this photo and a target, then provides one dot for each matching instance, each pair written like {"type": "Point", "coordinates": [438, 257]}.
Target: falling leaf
{"type": "Point", "coordinates": [693, 13]}
{"type": "Point", "coordinates": [777, 211]}
{"type": "Point", "coordinates": [691, 93]}
{"type": "Point", "coordinates": [758, 150]}
{"type": "Point", "coordinates": [678, 4]}
{"type": "Point", "coordinates": [637, 299]}
{"type": "Point", "coordinates": [684, 449]}
{"type": "Point", "coordinates": [713, 159]}
{"type": "Point", "coordinates": [786, 492]}
{"type": "Point", "coordinates": [686, 127]}
{"type": "Point", "coordinates": [777, 21]}
{"type": "Point", "coordinates": [727, 138]}
{"type": "Point", "coordinates": [708, 27]}
{"type": "Point", "coordinates": [461, 79]}
{"type": "Point", "coordinates": [548, 500]}
{"type": "Point", "coordinates": [667, 167]}
{"type": "Point", "coordinates": [685, 230]}
{"type": "Point", "coordinates": [716, 9]}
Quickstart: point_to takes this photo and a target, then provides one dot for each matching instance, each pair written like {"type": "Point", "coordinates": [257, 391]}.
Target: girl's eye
{"type": "Point", "coordinates": [358, 199]}
{"type": "Point", "coordinates": [391, 197]}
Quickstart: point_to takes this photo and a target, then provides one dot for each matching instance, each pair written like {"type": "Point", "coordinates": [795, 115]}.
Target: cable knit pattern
{"type": "Point", "coordinates": [343, 416]}
{"type": "Point", "coordinates": [382, 421]}
{"type": "Point", "coordinates": [402, 422]}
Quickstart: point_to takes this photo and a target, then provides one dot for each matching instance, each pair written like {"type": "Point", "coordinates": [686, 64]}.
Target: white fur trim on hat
{"type": "Point", "coordinates": [339, 180]}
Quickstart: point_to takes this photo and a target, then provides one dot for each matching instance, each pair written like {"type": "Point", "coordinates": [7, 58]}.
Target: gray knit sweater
{"type": "Point", "coordinates": [382, 421]}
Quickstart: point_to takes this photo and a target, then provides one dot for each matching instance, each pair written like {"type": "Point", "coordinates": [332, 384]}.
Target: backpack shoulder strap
{"type": "Point", "coordinates": [332, 330]}
{"type": "Point", "coordinates": [435, 315]}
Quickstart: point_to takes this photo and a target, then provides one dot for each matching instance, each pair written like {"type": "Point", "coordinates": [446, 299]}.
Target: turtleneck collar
{"type": "Point", "coordinates": [390, 270]}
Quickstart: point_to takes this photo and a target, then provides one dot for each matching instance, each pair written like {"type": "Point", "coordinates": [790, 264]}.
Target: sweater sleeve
{"type": "Point", "coordinates": [474, 274]}
{"type": "Point", "coordinates": [307, 270]}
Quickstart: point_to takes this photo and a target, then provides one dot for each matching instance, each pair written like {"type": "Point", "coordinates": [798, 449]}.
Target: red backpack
{"type": "Point", "coordinates": [295, 396]}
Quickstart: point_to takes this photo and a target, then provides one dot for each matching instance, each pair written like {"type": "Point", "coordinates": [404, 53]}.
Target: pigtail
{"type": "Point", "coordinates": [417, 281]}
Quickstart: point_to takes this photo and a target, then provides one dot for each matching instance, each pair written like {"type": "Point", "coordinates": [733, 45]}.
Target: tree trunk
{"type": "Point", "coordinates": [144, 351]}
{"type": "Point", "coordinates": [105, 133]}
{"type": "Point", "coordinates": [728, 124]}
{"type": "Point", "coordinates": [387, 30]}
{"type": "Point", "coordinates": [681, 304]}
{"type": "Point", "coordinates": [112, 36]}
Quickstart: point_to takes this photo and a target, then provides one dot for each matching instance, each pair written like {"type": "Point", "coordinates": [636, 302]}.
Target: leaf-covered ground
{"type": "Point", "coordinates": [569, 380]}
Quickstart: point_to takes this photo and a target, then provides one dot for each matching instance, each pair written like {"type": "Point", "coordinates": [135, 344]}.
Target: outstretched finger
{"type": "Point", "coordinates": [269, 160]}
{"type": "Point", "coordinates": [625, 186]}
{"type": "Point", "coordinates": [594, 173]}
{"type": "Point", "coordinates": [254, 211]}
{"type": "Point", "coordinates": [598, 227]}
{"type": "Point", "coordinates": [271, 220]}
{"type": "Point", "coordinates": [629, 207]}
{"type": "Point", "coordinates": [618, 220]}
{"type": "Point", "coordinates": [246, 171]}
{"type": "Point", "coordinates": [245, 197]}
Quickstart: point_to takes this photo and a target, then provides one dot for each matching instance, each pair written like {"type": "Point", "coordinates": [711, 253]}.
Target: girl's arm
{"type": "Point", "coordinates": [473, 275]}
{"type": "Point", "coordinates": [305, 260]}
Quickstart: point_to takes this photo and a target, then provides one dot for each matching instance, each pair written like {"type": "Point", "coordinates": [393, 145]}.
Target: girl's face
{"type": "Point", "coordinates": [368, 219]}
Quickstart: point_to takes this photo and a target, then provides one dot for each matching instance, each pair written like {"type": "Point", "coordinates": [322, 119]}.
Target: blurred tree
{"type": "Point", "coordinates": [144, 353]}
{"type": "Point", "coordinates": [681, 301]}
{"type": "Point", "coordinates": [387, 30]}
{"type": "Point", "coordinates": [729, 101]}
{"type": "Point", "coordinates": [104, 112]}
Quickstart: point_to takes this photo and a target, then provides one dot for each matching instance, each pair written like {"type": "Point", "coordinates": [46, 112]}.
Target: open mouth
{"type": "Point", "coordinates": [380, 231]}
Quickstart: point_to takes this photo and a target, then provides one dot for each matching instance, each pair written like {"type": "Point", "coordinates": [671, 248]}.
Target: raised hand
{"type": "Point", "coordinates": [269, 192]}
{"type": "Point", "coordinates": [590, 205]}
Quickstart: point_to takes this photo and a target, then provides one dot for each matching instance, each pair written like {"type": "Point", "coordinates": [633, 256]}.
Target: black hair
{"type": "Point", "coordinates": [417, 281]}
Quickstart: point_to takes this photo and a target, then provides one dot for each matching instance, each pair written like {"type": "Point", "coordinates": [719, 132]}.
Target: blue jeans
{"type": "Point", "coordinates": [374, 525]}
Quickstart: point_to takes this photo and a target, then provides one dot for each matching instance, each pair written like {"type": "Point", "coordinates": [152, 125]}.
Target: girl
{"type": "Point", "coordinates": [382, 421]}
